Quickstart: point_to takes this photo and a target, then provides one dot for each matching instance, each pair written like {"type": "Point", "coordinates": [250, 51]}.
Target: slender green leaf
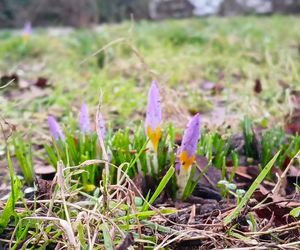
{"type": "Point", "coordinates": [251, 190]}
{"type": "Point", "coordinates": [160, 187]}
{"type": "Point", "coordinates": [108, 243]}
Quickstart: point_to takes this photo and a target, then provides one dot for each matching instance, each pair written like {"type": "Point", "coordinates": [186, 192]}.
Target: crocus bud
{"type": "Point", "coordinates": [187, 151]}
{"type": "Point", "coordinates": [55, 129]}
{"type": "Point", "coordinates": [186, 154]}
{"type": "Point", "coordinates": [84, 119]}
{"type": "Point", "coordinates": [153, 116]}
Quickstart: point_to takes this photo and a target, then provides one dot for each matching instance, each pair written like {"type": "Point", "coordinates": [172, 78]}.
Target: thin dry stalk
{"type": "Point", "coordinates": [276, 189]}
{"type": "Point", "coordinates": [119, 40]}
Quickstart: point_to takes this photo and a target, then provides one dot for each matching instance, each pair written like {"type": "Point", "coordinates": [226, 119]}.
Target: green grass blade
{"type": "Point", "coordinates": [9, 208]}
{"type": "Point", "coordinates": [106, 238]}
{"type": "Point", "coordinates": [251, 190]}
{"type": "Point", "coordinates": [12, 176]}
{"type": "Point", "coordinates": [146, 214]}
{"type": "Point", "coordinates": [137, 156]}
{"type": "Point", "coordinates": [160, 228]}
{"type": "Point", "coordinates": [160, 187]}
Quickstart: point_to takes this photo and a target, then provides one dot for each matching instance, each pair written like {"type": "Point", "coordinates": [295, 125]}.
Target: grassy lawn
{"type": "Point", "coordinates": [223, 68]}
{"type": "Point", "coordinates": [180, 54]}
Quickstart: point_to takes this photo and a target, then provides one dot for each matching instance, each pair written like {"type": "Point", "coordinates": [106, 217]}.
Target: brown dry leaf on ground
{"type": "Point", "coordinates": [257, 86]}
{"type": "Point", "coordinates": [276, 209]}
{"type": "Point", "coordinates": [44, 189]}
{"type": "Point", "coordinates": [42, 82]}
{"type": "Point", "coordinates": [292, 123]}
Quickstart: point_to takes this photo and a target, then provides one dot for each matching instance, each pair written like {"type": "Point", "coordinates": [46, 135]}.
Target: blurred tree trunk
{"type": "Point", "coordinates": [82, 12]}
{"type": "Point", "coordinates": [118, 10]}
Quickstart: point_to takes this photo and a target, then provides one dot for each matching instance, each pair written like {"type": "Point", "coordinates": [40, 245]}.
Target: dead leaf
{"type": "Point", "coordinates": [44, 189]}
{"type": "Point", "coordinates": [292, 120]}
{"type": "Point", "coordinates": [206, 187]}
{"type": "Point", "coordinates": [140, 184]}
{"type": "Point", "coordinates": [293, 177]}
{"type": "Point", "coordinates": [29, 94]}
{"type": "Point", "coordinates": [127, 242]}
{"type": "Point", "coordinates": [41, 82]}
{"type": "Point", "coordinates": [284, 84]}
{"type": "Point", "coordinates": [248, 172]}
{"type": "Point", "coordinates": [206, 192]}
{"type": "Point", "coordinates": [280, 211]}
{"type": "Point", "coordinates": [217, 89]}
{"type": "Point", "coordinates": [292, 125]}
{"type": "Point", "coordinates": [212, 175]}
{"type": "Point", "coordinates": [257, 86]}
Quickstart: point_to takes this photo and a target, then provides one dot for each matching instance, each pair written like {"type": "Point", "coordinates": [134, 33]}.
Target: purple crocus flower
{"type": "Point", "coordinates": [27, 29]}
{"type": "Point", "coordinates": [153, 116]}
{"type": "Point", "coordinates": [84, 119]}
{"type": "Point", "coordinates": [101, 124]}
{"type": "Point", "coordinates": [55, 129]}
{"type": "Point", "coordinates": [187, 151]}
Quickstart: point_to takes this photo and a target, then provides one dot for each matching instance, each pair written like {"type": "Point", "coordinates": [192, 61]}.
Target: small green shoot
{"type": "Point", "coordinates": [23, 153]}
{"type": "Point", "coordinates": [9, 209]}
{"type": "Point", "coordinates": [108, 243]}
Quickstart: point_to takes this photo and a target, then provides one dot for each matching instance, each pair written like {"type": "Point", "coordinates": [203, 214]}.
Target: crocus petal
{"type": "Point", "coordinates": [191, 136]}
{"type": "Point", "coordinates": [186, 160]}
{"type": "Point", "coordinates": [101, 123]}
{"type": "Point", "coordinates": [177, 165]}
{"type": "Point", "coordinates": [154, 136]}
{"type": "Point", "coordinates": [187, 151]}
{"type": "Point", "coordinates": [55, 129]}
{"type": "Point", "coordinates": [153, 116]}
{"type": "Point", "coordinates": [84, 119]}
